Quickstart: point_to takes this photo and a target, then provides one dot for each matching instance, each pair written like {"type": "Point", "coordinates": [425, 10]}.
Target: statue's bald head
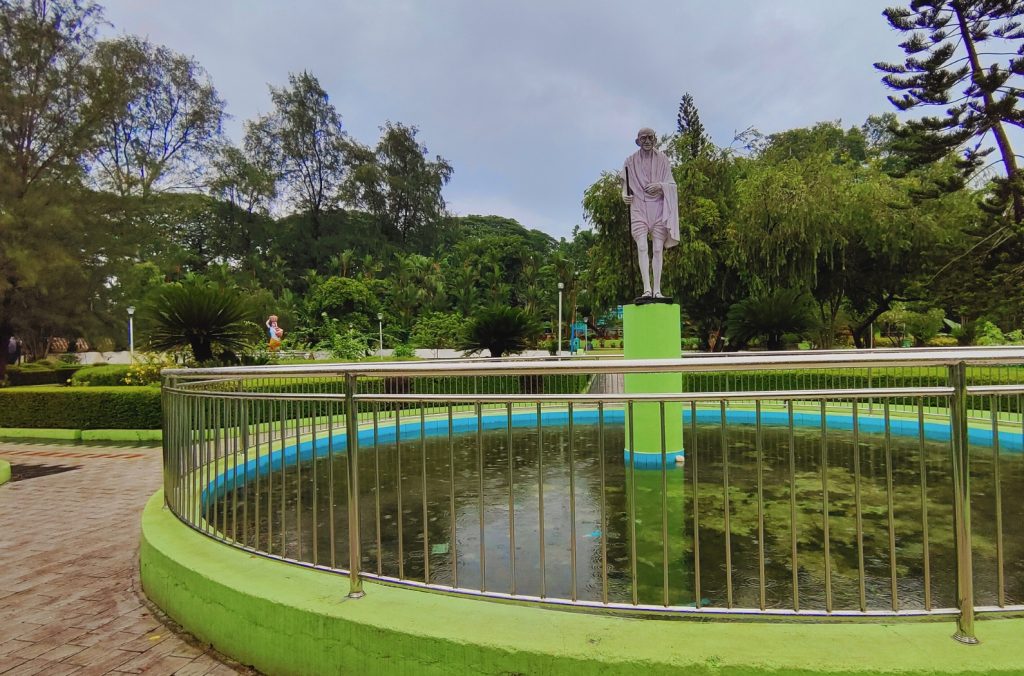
{"type": "Point", "coordinates": [646, 133]}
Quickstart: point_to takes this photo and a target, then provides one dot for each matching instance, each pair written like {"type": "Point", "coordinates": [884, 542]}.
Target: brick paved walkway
{"type": "Point", "coordinates": [69, 593]}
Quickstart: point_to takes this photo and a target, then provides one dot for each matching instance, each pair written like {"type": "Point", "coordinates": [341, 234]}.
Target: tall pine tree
{"type": "Point", "coordinates": [692, 137]}
{"type": "Point", "coordinates": [947, 41]}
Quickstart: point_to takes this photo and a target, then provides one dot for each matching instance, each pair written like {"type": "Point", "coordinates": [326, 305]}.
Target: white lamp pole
{"type": "Point", "coordinates": [380, 331]}
{"type": "Point", "coordinates": [131, 332]}
{"type": "Point", "coordinates": [560, 287]}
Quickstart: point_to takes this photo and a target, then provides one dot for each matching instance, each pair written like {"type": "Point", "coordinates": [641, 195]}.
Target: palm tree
{"type": "Point", "coordinates": [198, 315]}
{"type": "Point", "coordinates": [343, 262]}
{"type": "Point", "coordinates": [501, 331]}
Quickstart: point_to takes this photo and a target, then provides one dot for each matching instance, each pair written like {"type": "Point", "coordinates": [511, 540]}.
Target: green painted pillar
{"type": "Point", "coordinates": [651, 331]}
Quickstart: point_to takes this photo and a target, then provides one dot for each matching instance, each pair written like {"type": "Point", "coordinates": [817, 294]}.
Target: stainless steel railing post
{"type": "Point", "coordinates": [961, 478]}
{"type": "Point", "coordinates": [355, 557]}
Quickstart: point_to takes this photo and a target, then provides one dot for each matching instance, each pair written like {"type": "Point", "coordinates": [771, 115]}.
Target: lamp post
{"type": "Point", "coordinates": [560, 287]}
{"type": "Point", "coordinates": [131, 332]}
{"type": "Point", "coordinates": [380, 331]}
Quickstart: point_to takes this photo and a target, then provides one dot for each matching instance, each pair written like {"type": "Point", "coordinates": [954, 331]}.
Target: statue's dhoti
{"type": "Point", "coordinates": [648, 218]}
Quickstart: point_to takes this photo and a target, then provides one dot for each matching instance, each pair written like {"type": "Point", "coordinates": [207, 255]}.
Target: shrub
{"type": "Point", "coordinates": [404, 351]}
{"type": "Point", "coordinates": [40, 373]}
{"type": "Point", "coordinates": [146, 371]}
{"type": "Point", "coordinates": [108, 375]}
{"type": "Point", "coordinates": [942, 341]}
{"type": "Point", "coordinates": [81, 408]}
{"type": "Point", "coordinates": [989, 334]}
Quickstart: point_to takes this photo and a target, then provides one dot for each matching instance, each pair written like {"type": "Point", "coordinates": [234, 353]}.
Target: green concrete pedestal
{"type": "Point", "coordinates": [652, 331]}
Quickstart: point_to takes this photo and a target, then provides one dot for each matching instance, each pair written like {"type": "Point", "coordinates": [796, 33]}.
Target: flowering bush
{"type": "Point", "coordinates": [146, 369]}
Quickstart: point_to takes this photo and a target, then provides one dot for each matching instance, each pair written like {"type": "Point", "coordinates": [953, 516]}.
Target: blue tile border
{"type": "Point", "coordinates": [1012, 442]}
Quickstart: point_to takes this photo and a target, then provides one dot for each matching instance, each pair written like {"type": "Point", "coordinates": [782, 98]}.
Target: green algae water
{"type": "Point", "coordinates": [539, 514]}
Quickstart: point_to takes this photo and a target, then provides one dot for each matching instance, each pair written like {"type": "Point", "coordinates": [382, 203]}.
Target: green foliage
{"type": "Point", "coordinates": [146, 369]}
{"type": "Point", "coordinates": [198, 315]}
{"type": "Point", "coordinates": [404, 351]}
{"type": "Point", "coordinates": [942, 341]}
{"type": "Point", "coordinates": [40, 373]}
{"type": "Point", "coordinates": [81, 408]}
{"type": "Point", "coordinates": [989, 334]}
{"type": "Point", "coordinates": [925, 325]}
{"type": "Point", "coordinates": [106, 375]}
{"type": "Point", "coordinates": [344, 344]}
{"type": "Point", "coordinates": [438, 330]}
{"type": "Point", "coordinates": [501, 331]}
{"type": "Point", "coordinates": [337, 300]}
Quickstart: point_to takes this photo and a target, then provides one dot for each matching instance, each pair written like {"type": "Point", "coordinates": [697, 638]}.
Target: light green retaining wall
{"type": "Point", "coordinates": [286, 619]}
{"type": "Point", "coordinates": [652, 331]}
{"type": "Point", "coordinates": [5, 472]}
{"type": "Point", "coordinates": [79, 435]}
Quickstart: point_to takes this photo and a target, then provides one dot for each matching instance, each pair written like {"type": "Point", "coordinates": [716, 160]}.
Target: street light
{"type": "Point", "coordinates": [560, 287]}
{"type": "Point", "coordinates": [380, 331]}
{"type": "Point", "coordinates": [131, 332]}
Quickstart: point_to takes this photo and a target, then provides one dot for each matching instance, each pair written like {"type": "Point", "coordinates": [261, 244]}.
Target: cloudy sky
{"type": "Point", "coordinates": [531, 100]}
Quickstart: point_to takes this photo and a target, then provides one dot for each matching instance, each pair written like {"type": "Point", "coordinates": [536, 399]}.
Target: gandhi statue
{"type": "Point", "coordinates": [650, 192]}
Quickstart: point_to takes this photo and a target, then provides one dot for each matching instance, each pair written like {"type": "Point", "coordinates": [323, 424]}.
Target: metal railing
{"type": "Point", "coordinates": [815, 484]}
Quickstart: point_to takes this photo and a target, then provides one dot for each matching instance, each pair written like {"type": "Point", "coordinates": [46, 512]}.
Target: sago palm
{"type": "Point", "coordinates": [198, 315]}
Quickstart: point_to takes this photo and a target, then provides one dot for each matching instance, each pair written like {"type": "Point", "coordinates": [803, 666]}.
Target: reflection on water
{"type": "Point", "coordinates": [499, 496]}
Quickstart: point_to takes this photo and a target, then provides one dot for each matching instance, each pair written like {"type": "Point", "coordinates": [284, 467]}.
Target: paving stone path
{"type": "Point", "coordinates": [70, 599]}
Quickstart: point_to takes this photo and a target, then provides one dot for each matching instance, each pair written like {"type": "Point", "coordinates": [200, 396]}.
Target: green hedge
{"type": "Point", "coordinates": [81, 408]}
{"type": "Point", "coordinates": [862, 378]}
{"type": "Point", "coordinates": [39, 374]}
{"type": "Point", "coordinates": [110, 375]}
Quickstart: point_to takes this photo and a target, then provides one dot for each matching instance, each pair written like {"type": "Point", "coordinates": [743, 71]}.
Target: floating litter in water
{"type": "Point", "coordinates": [593, 534]}
{"type": "Point", "coordinates": [439, 549]}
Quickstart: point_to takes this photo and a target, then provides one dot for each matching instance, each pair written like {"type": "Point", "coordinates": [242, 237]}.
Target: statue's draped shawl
{"type": "Point", "coordinates": [642, 173]}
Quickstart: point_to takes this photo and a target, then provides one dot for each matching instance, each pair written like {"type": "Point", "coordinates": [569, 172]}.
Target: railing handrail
{"type": "Point", "coordinates": [743, 395]}
{"type": "Point", "coordinates": [740, 361]}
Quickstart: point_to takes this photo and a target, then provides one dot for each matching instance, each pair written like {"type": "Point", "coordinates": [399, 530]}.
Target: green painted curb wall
{"type": "Point", "coordinates": [5, 472]}
{"type": "Point", "coordinates": [287, 619]}
{"type": "Point", "coordinates": [58, 434]}
{"type": "Point", "coordinates": [652, 332]}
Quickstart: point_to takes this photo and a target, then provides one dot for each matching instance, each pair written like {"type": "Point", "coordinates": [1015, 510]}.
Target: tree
{"type": "Point", "coordinates": [501, 331]}
{"type": "Point", "coordinates": [198, 315]}
{"type": "Point", "coordinates": [167, 124]}
{"type": "Point", "coordinates": [810, 214]}
{"type": "Point", "coordinates": [53, 244]}
{"type": "Point", "coordinates": [692, 138]}
{"type": "Point", "coordinates": [398, 185]}
{"type": "Point", "coordinates": [946, 44]}
{"type": "Point", "coordinates": [438, 330]}
{"type": "Point", "coordinates": [342, 299]}
{"type": "Point", "coordinates": [303, 135]}
{"type": "Point", "coordinates": [242, 180]}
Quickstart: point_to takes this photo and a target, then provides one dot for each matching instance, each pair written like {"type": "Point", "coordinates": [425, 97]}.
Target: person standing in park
{"type": "Point", "coordinates": [650, 191]}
